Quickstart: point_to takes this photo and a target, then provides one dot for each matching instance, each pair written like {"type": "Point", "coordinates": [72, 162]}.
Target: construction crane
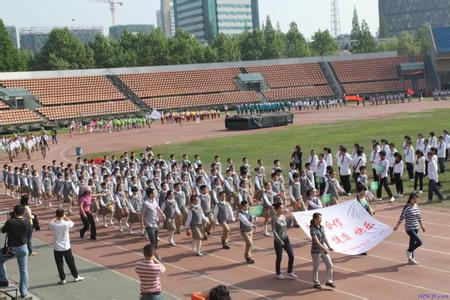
{"type": "Point", "coordinates": [112, 8]}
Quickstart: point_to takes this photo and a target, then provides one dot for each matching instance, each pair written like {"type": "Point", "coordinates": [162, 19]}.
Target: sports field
{"type": "Point", "coordinates": [384, 273]}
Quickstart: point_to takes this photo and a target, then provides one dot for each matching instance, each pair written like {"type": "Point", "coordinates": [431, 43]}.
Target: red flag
{"type": "Point", "coordinates": [354, 98]}
{"type": "Point", "coordinates": [410, 92]}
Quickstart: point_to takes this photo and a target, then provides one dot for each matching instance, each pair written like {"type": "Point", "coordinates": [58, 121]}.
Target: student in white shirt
{"type": "Point", "coordinates": [358, 162]}
{"type": "Point", "coordinates": [375, 159]}
{"type": "Point", "coordinates": [433, 179]}
{"type": "Point", "coordinates": [321, 172]}
{"type": "Point", "coordinates": [441, 152]}
{"type": "Point", "coordinates": [447, 142]}
{"type": "Point", "coordinates": [313, 160]}
{"type": "Point", "coordinates": [328, 156]}
{"type": "Point", "coordinates": [345, 171]}
{"type": "Point", "coordinates": [391, 159]}
{"type": "Point", "coordinates": [420, 142]}
{"type": "Point", "coordinates": [382, 175]}
{"type": "Point", "coordinates": [419, 171]}
{"type": "Point", "coordinates": [432, 140]}
{"type": "Point", "coordinates": [409, 159]}
{"type": "Point", "coordinates": [60, 226]}
{"type": "Point", "coordinates": [398, 173]}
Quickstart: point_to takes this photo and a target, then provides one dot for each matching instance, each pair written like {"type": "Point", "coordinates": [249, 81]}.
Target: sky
{"type": "Point", "coordinates": [310, 15]}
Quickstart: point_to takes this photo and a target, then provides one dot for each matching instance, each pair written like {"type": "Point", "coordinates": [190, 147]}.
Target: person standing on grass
{"type": "Point", "coordinates": [398, 173]}
{"type": "Point", "coordinates": [149, 271]}
{"type": "Point", "coordinates": [60, 225]}
{"type": "Point", "coordinates": [412, 217]}
{"type": "Point", "coordinates": [16, 231]}
{"type": "Point", "coordinates": [281, 241]}
{"type": "Point", "coordinates": [441, 153]}
{"type": "Point", "coordinates": [320, 252]}
{"type": "Point", "coordinates": [433, 179]}
{"type": "Point", "coordinates": [419, 171]}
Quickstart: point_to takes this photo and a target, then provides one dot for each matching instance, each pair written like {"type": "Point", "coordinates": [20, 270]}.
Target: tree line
{"type": "Point", "coordinates": [63, 51]}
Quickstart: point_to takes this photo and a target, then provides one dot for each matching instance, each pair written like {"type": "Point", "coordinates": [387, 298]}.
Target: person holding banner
{"type": "Point", "coordinates": [412, 217]}
{"type": "Point", "coordinates": [281, 241]}
{"type": "Point", "coordinates": [319, 251]}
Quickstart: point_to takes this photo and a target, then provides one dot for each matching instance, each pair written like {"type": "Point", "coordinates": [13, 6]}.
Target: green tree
{"type": "Point", "coordinates": [423, 39]}
{"type": "Point", "coordinates": [274, 44]}
{"type": "Point", "coordinates": [152, 49]}
{"type": "Point", "coordinates": [323, 43]}
{"type": "Point", "coordinates": [10, 58]}
{"type": "Point", "coordinates": [184, 48]}
{"type": "Point", "coordinates": [384, 31]}
{"type": "Point", "coordinates": [365, 43]}
{"type": "Point", "coordinates": [356, 30]}
{"type": "Point", "coordinates": [251, 45]}
{"type": "Point", "coordinates": [390, 45]}
{"type": "Point", "coordinates": [64, 51]}
{"type": "Point", "coordinates": [103, 52]}
{"type": "Point", "coordinates": [227, 48]}
{"type": "Point", "coordinates": [296, 44]}
{"type": "Point", "coordinates": [407, 45]}
{"type": "Point", "coordinates": [211, 55]}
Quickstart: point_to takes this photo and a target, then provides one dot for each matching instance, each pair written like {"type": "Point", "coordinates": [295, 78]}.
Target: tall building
{"type": "Point", "coordinates": [33, 38]}
{"type": "Point", "coordinates": [117, 31]}
{"type": "Point", "coordinates": [166, 18]}
{"type": "Point", "coordinates": [409, 15]}
{"type": "Point", "coordinates": [12, 33]}
{"type": "Point", "coordinates": [205, 19]}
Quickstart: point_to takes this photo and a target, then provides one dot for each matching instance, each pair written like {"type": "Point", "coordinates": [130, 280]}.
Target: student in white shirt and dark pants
{"type": "Point", "coordinates": [441, 152]}
{"type": "Point", "coordinates": [433, 179]}
{"type": "Point", "coordinates": [345, 172]}
{"type": "Point", "coordinates": [383, 176]}
{"type": "Point", "coordinates": [419, 170]}
{"type": "Point", "coordinates": [61, 245]}
{"type": "Point", "coordinates": [409, 160]}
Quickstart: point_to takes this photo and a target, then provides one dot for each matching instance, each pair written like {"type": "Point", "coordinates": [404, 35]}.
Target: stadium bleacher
{"type": "Point", "coordinates": [376, 87]}
{"type": "Point", "coordinates": [63, 112]}
{"type": "Point", "coordinates": [147, 85]}
{"type": "Point", "coordinates": [57, 91]}
{"type": "Point", "coordinates": [441, 37]}
{"type": "Point", "coordinates": [290, 75]}
{"type": "Point", "coordinates": [298, 93]}
{"type": "Point", "coordinates": [378, 69]}
{"type": "Point", "coordinates": [202, 100]}
{"type": "Point", "coordinates": [3, 105]}
{"type": "Point", "coordinates": [18, 116]}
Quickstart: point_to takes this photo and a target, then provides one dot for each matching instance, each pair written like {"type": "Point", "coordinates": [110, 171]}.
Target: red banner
{"type": "Point", "coordinates": [410, 92]}
{"type": "Point", "coordinates": [354, 98]}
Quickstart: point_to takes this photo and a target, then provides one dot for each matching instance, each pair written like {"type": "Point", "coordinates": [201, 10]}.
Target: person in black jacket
{"type": "Point", "coordinates": [16, 230]}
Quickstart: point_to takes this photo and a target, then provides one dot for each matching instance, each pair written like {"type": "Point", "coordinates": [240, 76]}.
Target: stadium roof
{"type": "Point", "coordinates": [15, 92]}
{"type": "Point", "coordinates": [441, 37]}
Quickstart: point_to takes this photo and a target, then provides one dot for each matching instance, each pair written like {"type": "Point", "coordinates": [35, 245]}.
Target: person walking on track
{"type": "Point", "coordinates": [413, 219]}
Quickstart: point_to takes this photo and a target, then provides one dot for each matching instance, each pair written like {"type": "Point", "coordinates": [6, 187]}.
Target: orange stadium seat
{"type": "Point", "coordinates": [202, 100]}
{"type": "Point", "coordinates": [88, 110]}
{"type": "Point", "coordinates": [18, 116]}
{"type": "Point", "coordinates": [55, 91]}
{"type": "Point", "coordinates": [377, 69]}
{"type": "Point", "coordinates": [147, 85]}
{"type": "Point", "coordinates": [3, 105]}
{"type": "Point", "coordinates": [298, 93]}
{"type": "Point", "coordinates": [291, 75]}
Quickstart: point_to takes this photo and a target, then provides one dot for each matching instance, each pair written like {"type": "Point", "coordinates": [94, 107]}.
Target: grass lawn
{"type": "Point", "coordinates": [280, 144]}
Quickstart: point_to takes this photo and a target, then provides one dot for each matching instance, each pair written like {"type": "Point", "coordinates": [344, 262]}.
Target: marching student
{"type": "Point", "coordinates": [313, 160]}
{"type": "Point", "coordinates": [295, 194]}
{"type": "Point", "coordinates": [362, 199]}
{"type": "Point", "coordinates": [309, 174]}
{"type": "Point", "coordinates": [180, 198]}
{"type": "Point", "coordinates": [313, 199]}
{"type": "Point", "coordinates": [432, 140]}
{"type": "Point", "coordinates": [259, 184]}
{"type": "Point", "coordinates": [292, 171]}
{"type": "Point", "coordinates": [47, 190]}
{"type": "Point", "coordinates": [246, 227]}
{"type": "Point", "coordinates": [223, 215]}
{"type": "Point", "coordinates": [319, 252]}
{"type": "Point", "coordinates": [150, 220]}
{"type": "Point", "coordinates": [171, 211]}
{"type": "Point", "coordinates": [194, 223]}
{"type": "Point", "coordinates": [297, 157]}
{"type": "Point", "coordinates": [305, 183]}
{"type": "Point", "coordinates": [409, 159]}
{"type": "Point", "coordinates": [135, 207]}
{"type": "Point", "coordinates": [333, 188]}
{"type": "Point", "coordinates": [205, 203]}
{"type": "Point", "coordinates": [345, 171]}
{"type": "Point", "coordinates": [328, 156]}
{"type": "Point", "coordinates": [382, 176]}
{"type": "Point", "coordinates": [106, 203]}
{"type": "Point", "coordinates": [441, 153]}
{"type": "Point", "coordinates": [419, 171]}
{"type": "Point", "coordinates": [375, 159]}
{"type": "Point", "coordinates": [398, 173]}
{"type": "Point", "coordinates": [391, 159]}
{"type": "Point", "coordinates": [121, 211]}
{"type": "Point", "coordinates": [446, 136]}
{"type": "Point", "coordinates": [425, 153]}
{"type": "Point", "coordinates": [268, 200]}
{"type": "Point", "coordinates": [420, 142]}
{"type": "Point", "coordinates": [433, 179]}
{"type": "Point", "coordinates": [358, 161]}
{"type": "Point", "coordinates": [36, 188]}
{"type": "Point", "coordinates": [68, 191]}
{"type": "Point", "coordinates": [412, 217]}
{"type": "Point", "coordinates": [281, 241]}
{"type": "Point", "coordinates": [363, 179]}
{"type": "Point", "coordinates": [321, 172]}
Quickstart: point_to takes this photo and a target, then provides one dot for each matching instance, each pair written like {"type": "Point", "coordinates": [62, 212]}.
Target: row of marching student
{"type": "Point", "coordinates": [148, 193]}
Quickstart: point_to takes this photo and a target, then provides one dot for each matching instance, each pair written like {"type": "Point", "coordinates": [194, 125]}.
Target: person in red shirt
{"type": "Point", "coordinates": [149, 271]}
{"type": "Point", "coordinates": [85, 202]}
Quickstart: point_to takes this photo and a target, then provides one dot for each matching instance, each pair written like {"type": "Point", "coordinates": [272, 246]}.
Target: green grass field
{"type": "Point", "coordinates": [280, 144]}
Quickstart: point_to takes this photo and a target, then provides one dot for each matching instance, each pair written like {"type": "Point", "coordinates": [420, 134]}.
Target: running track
{"type": "Point", "coordinates": [381, 274]}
